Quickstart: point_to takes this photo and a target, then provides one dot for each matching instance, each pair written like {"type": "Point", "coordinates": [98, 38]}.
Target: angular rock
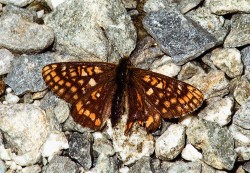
{"type": "Point", "coordinates": [190, 69]}
{"type": "Point", "coordinates": [180, 167]}
{"type": "Point", "coordinates": [11, 98]}
{"type": "Point", "coordinates": [218, 110]}
{"type": "Point", "coordinates": [246, 60]}
{"type": "Point", "coordinates": [21, 36]}
{"type": "Point", "coordinates": [246, 166]}
{"type": "Point", "coordinates": [211, 84]}
{"type": "Point", "coordinates": [155, 5]}
{"type": "Point", "coordinates": [142, 165]}
{"type": "Point", "coordinates": [240, 33]}
{"type": "Point", "coordinates": [186, 5]}
{"type": "Point", "coordinates": [241, 136]}
{"type": "Point", "coordinates": [222, 7]}
{"type": "Point", "coordinates": [228, 60]}
{"type": "Point", "coordinates": [83, 143]}
{"type": "Point", "coordinates": [62, 111]}
{"type": "Point", "coordinates": [32, 169]}
{"type": "Point", "coordinates": [25, 129]}
{"type": "Point", "coordinates": [243, 153]}
{"type": "Point", "coordinates": [61, 164]}
{"type": "Point", "coordinates": [2, 167]}
{"type": "Point", "coordinates": [177, 35]}
{"type": "Point", "coordinates": [190, 153]}
{"type": "Point", "coordinates": [242, 116]}
{"type": "Point", "coordinates": [5, 61]}
{"type": "Point", "coordinates": [102, 145]}
{"type": "Point", "coordinates": [217, 143]}
{"type": "Point", "coordinates": [20, 3]}
{"type": "Point", "coordinates": [107, 35]}
{"type": "Point", "coordinates": [166, 150]}
{"type": "Point", "coordinates": [105, 164]}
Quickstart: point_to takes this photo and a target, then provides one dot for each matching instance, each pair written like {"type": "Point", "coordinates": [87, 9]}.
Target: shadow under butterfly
{"type": "Point", "coordinates": [98, 91]}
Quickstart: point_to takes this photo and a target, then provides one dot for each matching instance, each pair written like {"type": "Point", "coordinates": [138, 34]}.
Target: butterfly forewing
{"type": "Point", "coordinates": [162, 96]}
{"type": "Point", "coordinates": [88, 86]}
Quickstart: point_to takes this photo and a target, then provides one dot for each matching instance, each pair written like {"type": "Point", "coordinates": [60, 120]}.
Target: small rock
{"type": "Point", "coordinates": [216, 143]}
{"type": "Point", "coordinates": [180, 167]}
{"type": "Point", "coordinates": [38, 95]}
{"type": "Point", "coordinates": [243, 153]}
{"type": "Point", "coordinates": [211, 84]}
{"type": "Point", "coordinates": [21, 36]}
{"type": "Point", "coordinates": [55, 142]}
{"type": "Point", "coordinates": [61, 111]}
{"type": "Point", "coordinates": [228, 60]}
{"type": "Point", "coordinates": [5, 60]}
{"type": "Point", "coordinates": [11, 98]}
{"type": "Point", "coordinates": [246, 166]}
{"type": "Point", "coordinates": [190, 153]}
{"type": "Point", "coordinates": [19, 3]}
{"type": "Point", "coordinates": [2, 167]}
{"type": "Point", "coordinates": [32, 169]}
{"type": "Point", "coordinates": [177, 35]}
{"type": "Point", "coordinates": [83, 143]}
{"type": "Point", "coordinates": [155, 5]}
{"type": "Point", "coordinates": [240, 170]}
{"type": "Point", "coordinates": [245, 52]}
{"type": "Point", "coordinates": [165, 66]}
{"type": "Point", "coordinates": [206, 168]}
{"type": "Point", "coordinates": [239, 34]}
{"type": "Point", "coordinates": [106, 35]}
{"type": "Point", "coordinates": [61, 164]}
{"type": "Point", "coordinates": [141, 166]}
{"type": "Point", "coordinates": [222, 7]}
{"type": "Point", "coordinates": [25, 129]}
{"type": "Point", "coordinates": [102, 145]}
{"type": "Point", "coordinates": [129, 4]}
{"type": "Point", "coordinates": [166, 150]}
{"type": "Point", "coordinates": [105, 164]}
{"type": "Point", "coordinates": [54, 3]}
{"type": "Point", "coordinates": [186, 5]}
{"type": "Point", "coordinates": [242, 116]}
{"type": "Point", "coordinates": [5, 154]}
{"type": "Point", "coordinates": [241, 136]}
{"type": "Point", "coordinates": [218, 110]}
{"type": "Point", "coordinates": [188, 70]}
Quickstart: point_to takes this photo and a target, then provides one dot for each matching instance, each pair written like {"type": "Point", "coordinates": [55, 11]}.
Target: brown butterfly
{"type": "Point", "coordinates": [97, 91]}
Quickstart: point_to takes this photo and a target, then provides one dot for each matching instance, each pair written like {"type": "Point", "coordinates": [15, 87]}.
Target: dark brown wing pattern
{"type": "Point", "coordinates": [88, 86]}
{"type": "Point", "coordinates": [153, 95]}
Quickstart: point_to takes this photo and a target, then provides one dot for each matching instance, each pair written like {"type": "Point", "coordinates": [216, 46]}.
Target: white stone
{"type": "Point", "coordinates": [5, 154]}
{"type": "Point", "coordinates": [228, 60]}
{"type": "Point", "coordinates": [8, 90]}
{"type": "Point", "coordinates": [154, 5]}
{"type": "Point", "coordinates": [165, 66]}
{"type": "Point", "coordinates": [124, 170]}
{"type": "Point", "coordinates": [218, 110]}
{"type": "Point", "coordinates": [54, 3]}
{"type": "Point", "coordinates": [55, 142]}
{"type": "Point", "coordinates": [243, 153]}
{"type": "Point", "coordinates": [11, 98]}
{"type": "Point", "coordinates": [5, 61]}
{"type": "Point", "coordinates": [187, 119]}
{"type": "Point", "coordinates": [170, 143]}
{"type": "Point", "coordinates": [31, 169]}
{"type": "Point", "coordinates": [190, 153]}
{"type": "Point", "coordinates": [19, 3]}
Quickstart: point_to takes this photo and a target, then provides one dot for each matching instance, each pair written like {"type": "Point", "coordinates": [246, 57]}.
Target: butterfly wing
{"type": "Point", "coordinates": [88, 86]}
{"type": "Point", "coordinates": [159, 95]}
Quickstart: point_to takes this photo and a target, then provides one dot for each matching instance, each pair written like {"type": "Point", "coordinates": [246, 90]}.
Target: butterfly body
{"type": "Point", "coordinates": [97, 91]}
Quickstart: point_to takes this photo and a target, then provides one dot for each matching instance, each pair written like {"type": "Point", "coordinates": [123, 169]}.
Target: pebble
{"type": "Point", "coordinates": [61, 111]}
{"type": "Point", "coordinates": [242, 116]}
{"type": "Point", "coordinates": [241, 136]}
{"type": "Point", "coordinates": [188, 70]}
{"type": "Point", "coordinates": [11, 98]}
{"type": "Point", "coordinates": [166, 150]}
{"type": "Point", "coordinates": [155, 5]}
{"type": "Point", "coordinates": [102, 145]}
{"type": "Point", "coordinates": [105, 164]}
{"type": "Point", "coordinates": [167, 25]}
{"type": "Point", "coordinates": [2, 167]}
{"type": "Point", "coordinates": [54, 3]}
{"type": "Point", "coordinates": [32, 169]}
{"type": "Point", "coordinates": [190, 153]}
{"type": "Point", "coordinates": [189, 167]}
{"type": "Point", "coordinates": [245, 52]}
{"type": "Point", "coordinates": [228, 60]}
{"type": "Point", "coordinates": [143, 165]}
{"type": "Point", "coordinates": [246, 166]}
{"type": "Point", "coordinates": [5, 61]}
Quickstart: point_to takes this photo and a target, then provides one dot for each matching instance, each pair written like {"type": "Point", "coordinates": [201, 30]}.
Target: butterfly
{"type": "Point", "coordinates": [98, 91]}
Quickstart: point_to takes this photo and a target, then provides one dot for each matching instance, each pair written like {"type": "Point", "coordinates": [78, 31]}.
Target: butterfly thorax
{"type": "Point", "coordinates": [122, 78]}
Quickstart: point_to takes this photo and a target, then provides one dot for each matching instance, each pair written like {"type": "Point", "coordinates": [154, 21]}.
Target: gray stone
{"type": "Point", "coordinates": [242, 116]}
{"type": "Point", "coordinates": [180, 167]}
{"type": "Point", "coordinates": [166, 150]}
{"type": "Point", "coordinates": [105, 164]}
{"type": "Point", "coordinates": [141, 166]}
{"type": "Point", "coordinates": [214, 24]}
{"type": "Point", "coordinates": [190, 69]}
{"type": "Point", "coordinates": [155, 5]}
{"type": "Point", "coordinates": [217, 143]}
{"type": "Point", "coordinates": [177, 35]}
{"type": "Point", "coordinates": [25, 129]}
{"type": "Point", "coordinates": [107, 35]}
{"type": "Point", "coordinates": [187, 5]}
{"type": "Point", "coordinates": [32, 169]}
{"type": "Point", "coordinates": [5, 60]}
{"type": "Point", "coordinates": [228, 60]}
{"type": "Point", "coordinates": [61, 164]}
{"type": "Point", "coordinates": [20, 3]}
{"type": "Point", "coordinates": [83, 143]}
{"type": "Point", "coordinates": [243, 153]}
{"type": "Point", "coordinates": [222, 7]}
{"type": "Point", "coordinates": [246, 166]}
{"type": "Point", "coordinates": [62, 111]}
{"type": "Point", "coordinates": [102, 145]}
{"type": "Point", "coordinates": [26, 73]}
{"type": "Point", "coordinates": [71, 125]}
{"type": "Point", "coordinates": [241, 136]}
{"type": "Point", "coordinates": [218, 110]}
{"type": "Point", "coordinates": [239, 34]}
{"type": "Point", "coordinates": [130, 4]}
{"type": "Point", "coordinates": [21, 36]}
{"type": "Point", "coordinates": [240, 170]}
{"type": "Point", "coordinates": [211, 84]}
{"type": "Point", "coordinates": [206, 168]}
{"type": "Point", "coordinates": [245, 57]}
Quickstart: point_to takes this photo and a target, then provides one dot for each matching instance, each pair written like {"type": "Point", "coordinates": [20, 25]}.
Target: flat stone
{"type": "Point", "coordinates": [83, 143]}
{"type": "Point", "coordinates": [61, 164]}
{"type": "Point", "coordinates": [218, 110]}
{"type": "Point", "coordinates": [20, 3]}
{"type": "Point", "coordinates": [21, 36]}
{"type": "Point", "coordinates": [177, 35]}
{"type": "Point", "coordinates": [180, 167]}
{"type": "Point", "coordinates": [142, 165]}
{"type": "Point", "coordinates": [239, 34]}
{"type": "Point", "coordinates": [228, 60]}
{"type": "Point", "coordinates": [242, 116]}
{"type": "Point", "coordinates": [222, 7]}
{"type": "Point", "coordinates": [107, 35]}
{"type": "Point", "coordinates": [25, 129]}
{"type": "Point", "coordinates": [32, 169]}
{"type": "Point", "coordinates": [166, 150]}
{"type": "Point", "coordinates": [5, 61]}
{"type": "Point", "coordinates": [211, 84]}
{"type": "Point", "coordinates": [190, 69]}
{"type": "Point", "coordinates": [217, 143]}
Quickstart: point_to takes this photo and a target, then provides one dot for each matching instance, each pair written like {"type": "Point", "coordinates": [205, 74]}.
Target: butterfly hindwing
{"type": "Point", "coordinates": [88, 86]}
